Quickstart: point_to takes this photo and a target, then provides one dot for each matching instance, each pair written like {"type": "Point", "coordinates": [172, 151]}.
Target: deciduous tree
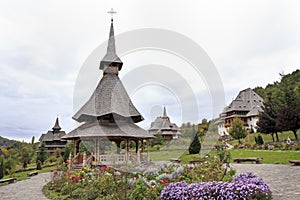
{"type": "Point", "coordinates": [237, 130]}
{"type": "Point", "coordinates": [289, 119]}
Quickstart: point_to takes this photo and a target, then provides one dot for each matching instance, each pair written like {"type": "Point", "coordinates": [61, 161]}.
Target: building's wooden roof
{"type": "Point", "coordinates": [246, 100]}
{"type": "Point", "coordinates": [110, 103]}
{"type": "Point", "coordinates": [116, 130]}
{"type": "Point", "coordinates": [111, 56]}
{"type": "Point", "coordinates": [247, 104]}
{"type": "Point", "coordinates": [110, 97]}
{"type": "Point", "coordinates": [163, 123]}
{"type": "Point", "coordinates": [53, 135]}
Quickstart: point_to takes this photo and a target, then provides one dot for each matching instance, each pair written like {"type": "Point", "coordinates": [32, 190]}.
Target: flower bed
{"type": "Point", "coordinates": [244, 186]}
{"type": "Point", "coordinates": [172, 181]}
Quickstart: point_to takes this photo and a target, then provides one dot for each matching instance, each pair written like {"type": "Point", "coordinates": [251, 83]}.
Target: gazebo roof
{"type": "Point", "coordinates": [121, 129]}
{"type": "Point", "coordinates": [110, 97]}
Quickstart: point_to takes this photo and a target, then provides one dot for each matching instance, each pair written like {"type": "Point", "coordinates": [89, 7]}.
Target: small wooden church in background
{"type": "Point", "coordinates": [52, 139]}
{"type": "Point", "coordinates": [164, 127]}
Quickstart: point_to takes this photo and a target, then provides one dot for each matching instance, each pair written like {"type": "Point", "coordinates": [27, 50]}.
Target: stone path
{"type": "Point", "coordinates": [30, 189]}
{"type": "Point", "coordinates": [284, 180]}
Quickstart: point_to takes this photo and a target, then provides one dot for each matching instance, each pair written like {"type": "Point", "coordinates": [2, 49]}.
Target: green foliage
{"type": "Point", "coordinates": [4, 142]}
{"type": "Point", "coordinates": [281, 105]}
{"type": "Point", "coordinates": [259, 140]}
{"type": "Point", "coordinates": [10, 166]}
{"type": "Point", "coordinates": [38, 165]}
{"type": "Point", "coordinates": [237, 130]}
{"type": "Point", "coordinates": [32, 140]}
{"type": "Point", "coordinates": [143, 191]}
{"type": "Point", "coordinates": [188, 130]}
{"type": "Point", "coordinates": [68, 149]}
{"type": "Point", "coordinates": [289, 119]}
{"type": "Point", "coordinates": [25, 157]}
{"type": "Point", "coordinates": [1, 166]}
{"type": "Point", "coordinates": [223, 154]}
{"type": "Point", "coordinates": [211, 169]}
{"type": "Point", "coordinates": [158, 140]}
{"type": "Point", "coordinates": [195, 146]}
{"type": "Point", "coordinates": [42, 154]}
{"type": "Point", "coordinates": [202, 129]}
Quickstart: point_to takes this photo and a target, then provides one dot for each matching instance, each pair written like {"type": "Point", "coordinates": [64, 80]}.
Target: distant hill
{"type": "Point", "coordinates": [4, 142]}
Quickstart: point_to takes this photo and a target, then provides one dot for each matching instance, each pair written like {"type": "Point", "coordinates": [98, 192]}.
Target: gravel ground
{"type": "Point", "coordinates": [284, 180]}
{"type": "Point", "coordinates": [30, 189]}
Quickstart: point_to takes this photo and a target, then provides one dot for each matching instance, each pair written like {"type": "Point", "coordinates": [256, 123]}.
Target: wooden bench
{"type": "Point", "coordinates": [295, 162]}
{"type": "Point", "coordinates": [175, 160]}
{"type": "Point", "coordinates": [32, 173]}
{"type": "Point", "coordinates": [196, 161]}
{"type": "Point", "coordinates": [254, 160]}
{"type": "Point", "coordinates": [8, 180]}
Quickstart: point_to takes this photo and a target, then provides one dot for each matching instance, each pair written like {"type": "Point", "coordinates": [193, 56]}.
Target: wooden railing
{"type": "Point", "coordinates": [121, 159]}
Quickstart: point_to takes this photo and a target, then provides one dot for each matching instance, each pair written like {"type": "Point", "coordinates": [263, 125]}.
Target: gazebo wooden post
{"type": "Point", "coordinates": [95, 149]}
{"type": "Point", "coordinates": [76, 147]}
{"type": "Point", "coordinates": [143, 148]}
{"type": "Point", "coordinates": [118, 143]}
{"type": "Point", "coordinates": [148, 154]}
{"type": "Point", "coordinates": [136, 146]}
{"type": "Point", "coordinates": [127, 149]}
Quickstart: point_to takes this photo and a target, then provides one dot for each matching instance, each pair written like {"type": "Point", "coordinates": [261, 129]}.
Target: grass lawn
{"type": "Point", "coordinates": [269, 157]}
{"type": "Point", "coordinates": [267, 137]}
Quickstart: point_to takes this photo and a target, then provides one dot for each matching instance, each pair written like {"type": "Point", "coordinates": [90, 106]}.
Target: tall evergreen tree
{"type": "Point", "coordinates": [268, 119]}
{"type": "Point", "coordinates": [195, 146]}
{"type": "Point", "coordinates": [42, 154]}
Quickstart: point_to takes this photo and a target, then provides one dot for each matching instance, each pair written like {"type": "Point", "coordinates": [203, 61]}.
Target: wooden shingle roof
{"type": "Point", "coordinates": [111, 57]}
{"type": "Point", "coordinates": [121, 129]}
{"type": "Point", "coordinates": [109, 97]}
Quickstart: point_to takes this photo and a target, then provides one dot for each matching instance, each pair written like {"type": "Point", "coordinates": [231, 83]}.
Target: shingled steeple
{"type": "Point", "coordinates": [110, 97]}
{"type": "Point", "coordinates": [56, 127]}
{"type": "Point", "coordinates": [111, 63]}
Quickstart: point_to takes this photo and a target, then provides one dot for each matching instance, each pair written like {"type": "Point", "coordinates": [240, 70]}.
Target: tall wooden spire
{"type": "Point", "coordinates": [111, 60]}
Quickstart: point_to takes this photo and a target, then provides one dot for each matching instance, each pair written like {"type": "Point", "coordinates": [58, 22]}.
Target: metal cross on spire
{"type": "Point", "coordinates": [112, 12]}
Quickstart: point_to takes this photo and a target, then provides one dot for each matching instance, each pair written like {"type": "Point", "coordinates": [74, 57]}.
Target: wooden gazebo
{"type": "Point", "coordinates": [109, 115]}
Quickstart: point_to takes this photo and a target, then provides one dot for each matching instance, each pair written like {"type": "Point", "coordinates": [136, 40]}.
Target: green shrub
{"type": "Point", "coordinates": [259, 140]}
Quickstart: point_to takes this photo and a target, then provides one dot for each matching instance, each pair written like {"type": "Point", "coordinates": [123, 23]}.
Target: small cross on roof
{"type": "Point", "coordinates": [112, 12]}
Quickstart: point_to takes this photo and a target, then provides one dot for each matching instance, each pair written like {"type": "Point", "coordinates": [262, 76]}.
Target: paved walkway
{"type": "Point", "coordinates": [30, 189]}
{"type": "Point", "coordinates": [284, 180]}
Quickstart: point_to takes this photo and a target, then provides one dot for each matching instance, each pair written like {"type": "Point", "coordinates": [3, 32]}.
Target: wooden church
{"type": "Point", "coordinates": [108, 120]}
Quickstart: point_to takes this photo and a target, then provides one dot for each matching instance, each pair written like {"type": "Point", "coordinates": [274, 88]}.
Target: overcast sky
{"type": "Point", "coordinates": [43, 45]}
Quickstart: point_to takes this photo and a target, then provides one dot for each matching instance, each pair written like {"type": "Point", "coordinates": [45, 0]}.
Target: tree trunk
{"type": "Point", "coordinates": [295, 134]}
{"type": "Point", "coordinates": [277, 138]}
{"type": "Point", "coordinates": [272, 134]}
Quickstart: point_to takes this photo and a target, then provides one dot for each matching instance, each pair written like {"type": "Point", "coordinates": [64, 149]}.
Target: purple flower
{"type": "Point", "coordinates": [244, 186]}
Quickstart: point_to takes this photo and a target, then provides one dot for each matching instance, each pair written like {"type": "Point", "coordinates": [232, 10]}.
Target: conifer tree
{"type": "Point", "coordinates": [195, 146]}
